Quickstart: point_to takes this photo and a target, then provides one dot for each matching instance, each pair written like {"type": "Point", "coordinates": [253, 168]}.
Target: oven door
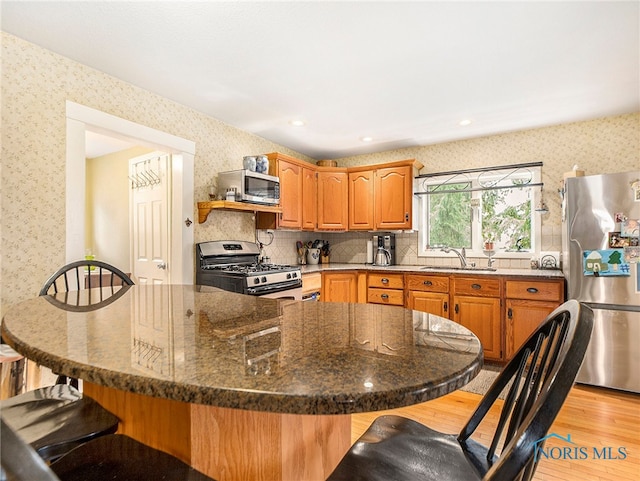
{"type": "Point", "coordinates": [294, 294]}
{"type": "Point", "coordinates": [285, 290]}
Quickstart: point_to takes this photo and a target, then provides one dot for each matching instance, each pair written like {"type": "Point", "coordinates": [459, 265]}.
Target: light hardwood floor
{"type": "Point", "coordinates": [594, 417]}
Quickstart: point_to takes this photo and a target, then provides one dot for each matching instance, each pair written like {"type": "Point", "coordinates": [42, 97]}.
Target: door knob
{"type": "Point", "coordinates": [162, 265]}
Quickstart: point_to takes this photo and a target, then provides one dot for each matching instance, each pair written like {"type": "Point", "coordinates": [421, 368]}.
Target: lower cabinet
{"type": "Point", "coordinates": [528, 303]}
{"type": "Point", "coordinates": [385, 289]}
{"type": "Point", "coordinates": [476, 305]}
{"type": "Point", "coordinates": [474, 302]}
{"type": "Point", "coordinates": [340, 286]}
{"type": "Point", "coordinates": [428, 293]}
{"type": "Point", "coordinates": [481, 315]}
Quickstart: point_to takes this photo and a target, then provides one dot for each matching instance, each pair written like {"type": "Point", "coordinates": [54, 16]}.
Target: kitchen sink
{"type": "Point", "coordinates": [458, 268]}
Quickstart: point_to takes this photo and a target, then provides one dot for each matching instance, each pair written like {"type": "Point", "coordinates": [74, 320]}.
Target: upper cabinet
{"type": "Point", "coordinates": [378, 197]}
{"type": "Point", "coordinates": [393, 198]}
{"type": "Point", "coordinates": [333, 191]}
{"type": "Point", "coordinates": [290, 174]}
{"type": "Point", "coordinates": [361, 200]}
{"type": "Point", "coordinates": [381, 197]}
{"type": "Point", "coordinates": [309, 196]}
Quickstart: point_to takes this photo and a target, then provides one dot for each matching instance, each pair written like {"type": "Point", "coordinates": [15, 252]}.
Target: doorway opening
{"type": "Point", "coordinates": [82, 119]}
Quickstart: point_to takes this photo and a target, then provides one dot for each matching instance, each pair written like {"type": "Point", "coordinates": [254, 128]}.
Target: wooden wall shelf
{"type": "Point", "coordinates": [205, 207]}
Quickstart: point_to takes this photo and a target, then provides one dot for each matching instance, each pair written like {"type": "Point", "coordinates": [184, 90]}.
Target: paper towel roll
{"type": "Point", "coordinates": [369, 252]}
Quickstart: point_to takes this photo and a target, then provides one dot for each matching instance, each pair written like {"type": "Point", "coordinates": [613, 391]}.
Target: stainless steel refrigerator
{"type": "Point", "coordinates": [600, 255]}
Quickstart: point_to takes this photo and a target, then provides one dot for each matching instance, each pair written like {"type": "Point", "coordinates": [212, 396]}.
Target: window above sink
{"type": "Point", "coordinates": [473, 207]}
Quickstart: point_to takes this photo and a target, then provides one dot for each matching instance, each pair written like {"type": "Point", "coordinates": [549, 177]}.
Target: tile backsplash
{"type": "Point", "coordinates": [351, 247]}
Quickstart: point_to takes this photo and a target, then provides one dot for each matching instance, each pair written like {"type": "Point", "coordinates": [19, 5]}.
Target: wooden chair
{"type": "Point", "coordinates": [113, 457]}
{"type": "Point", "coordinates": [58, 418]}
{"type": "Point", "coordinates": [64, 288]}
{"type": "Point", "coordinates": [18, 459]}
{"type": "Point", "coordinates": [541, 375]}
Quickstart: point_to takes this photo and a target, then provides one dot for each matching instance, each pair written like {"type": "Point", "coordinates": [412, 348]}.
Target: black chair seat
{"type": "Point", "coordinates": [56, 419]}
{"type": "Point", "coordinates": [392, 438]}
{"type": "Point", "coordinates": [538, 379]}
{"type": "Point", "coordinates": [119, 457]}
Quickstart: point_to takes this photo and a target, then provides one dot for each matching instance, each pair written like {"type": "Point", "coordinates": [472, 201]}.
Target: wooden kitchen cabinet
{"type": "Point", "coordinates": [428, 293]}
{"type": "Point", "coordinates": [340, 286]}
{"type": "Point", "coordinates": [309, 198]}
{"type": "Point", "coordinates": [394, 198]}
{"type": "Point", "coordinates": [381, 196]}
{"type": "Point", "coordinates": [290, 175]}
{"type": "Point", "coordinates": [528, 303]}
{"type": "Point", "coordinates": [476, 306]}
{"type": "Point", "coordinates": [384, 288]}
{"type": "Point", "coordinates": [361, 200]}
{"type": "Point", "coordinates": [333, 194]}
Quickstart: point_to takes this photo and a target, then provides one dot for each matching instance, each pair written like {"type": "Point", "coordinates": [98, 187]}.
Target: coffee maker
{"type": "Point", "coordinates": [384, 245]}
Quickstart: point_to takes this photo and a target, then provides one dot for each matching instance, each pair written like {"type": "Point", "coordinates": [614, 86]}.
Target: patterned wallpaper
{"type": "Point", "coordinates": [597, 146]}
{"type": "Point", "coordinates": [36, 83]}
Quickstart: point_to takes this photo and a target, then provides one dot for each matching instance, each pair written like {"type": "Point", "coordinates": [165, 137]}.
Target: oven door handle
{"type": "Point", "coordinates": [257, 291]}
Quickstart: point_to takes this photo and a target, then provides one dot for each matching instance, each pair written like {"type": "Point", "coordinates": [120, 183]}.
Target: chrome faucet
{"type": "Point", "coordinates": [462, 255]}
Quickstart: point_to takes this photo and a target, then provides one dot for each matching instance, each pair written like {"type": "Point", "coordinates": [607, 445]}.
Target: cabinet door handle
{"type": "Point", "coordinates": [446, 306]}
{"type": "Point", "coordinates": [428, 283]}
{"type": "Point", "coordinates": [476, 286]}
{"type": "Point", "coordinates": [510, 313]}
{"type": "Point", "coordinates": [456, 308]}
{"type": "Point", "coordinates": [384, 280]}
{"type": "Point", "coordinates": [385, 296]}
{"type": "Point", "coordinates": [532, 290]}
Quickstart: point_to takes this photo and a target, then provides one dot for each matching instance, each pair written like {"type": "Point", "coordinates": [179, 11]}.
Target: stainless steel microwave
{"type": "Point", "coordinates": [250, 186]}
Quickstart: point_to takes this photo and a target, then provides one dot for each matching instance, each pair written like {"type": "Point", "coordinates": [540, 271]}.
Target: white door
{"type": "Point", "coordinates": [150, 217]}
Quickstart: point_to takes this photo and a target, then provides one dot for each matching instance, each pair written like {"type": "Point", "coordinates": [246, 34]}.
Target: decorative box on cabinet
{"type": "Point", "coordinates": [528, 302]}
{"type": "Point", "coordinates": [476, 305]}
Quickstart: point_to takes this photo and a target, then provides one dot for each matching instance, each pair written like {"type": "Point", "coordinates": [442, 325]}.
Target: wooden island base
{"type": "Point", "coordinates": [232, 444]}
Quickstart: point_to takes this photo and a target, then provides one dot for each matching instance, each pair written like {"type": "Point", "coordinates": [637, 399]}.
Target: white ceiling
{"type": "Point", "coordinates": [403, 73]}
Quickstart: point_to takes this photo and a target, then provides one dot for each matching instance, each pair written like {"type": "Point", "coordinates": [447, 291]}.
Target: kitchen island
{"type": "Point", "coordinates": [244, 387]}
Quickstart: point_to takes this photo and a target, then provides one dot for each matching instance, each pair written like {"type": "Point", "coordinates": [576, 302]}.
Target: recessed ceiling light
{"type": "Point", "coordinates": [366, 139]}
{"type": "Point", "coordinates": [465, 122]}
{"type": "Point", "coordinates": [297, 123]}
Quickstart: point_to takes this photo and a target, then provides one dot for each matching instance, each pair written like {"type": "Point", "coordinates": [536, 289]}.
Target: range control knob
{"type": "Point", "coordinates": [289, 276]}
{"type": "Point", "coordinates": [256, 280]}
{"type": "Point", "coordinates": [264, 279]}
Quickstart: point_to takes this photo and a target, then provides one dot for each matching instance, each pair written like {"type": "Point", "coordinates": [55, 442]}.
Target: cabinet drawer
{"type": "Point", "coordinates": [311, 282]}
{"type": "Point", "coordinates": [535, 290]}
{"type": "Point", "coordinates": [392, 297]}
{"type": "Point", "coordinates": [477, 286]}
{"type": "Point", "coordinates": [428, 283]}
{"type": "Point", "coordinates": [391, 281]}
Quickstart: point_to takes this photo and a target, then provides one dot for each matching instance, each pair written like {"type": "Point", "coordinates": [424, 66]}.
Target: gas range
{"type": "Point", "coordinates": [233, 266]}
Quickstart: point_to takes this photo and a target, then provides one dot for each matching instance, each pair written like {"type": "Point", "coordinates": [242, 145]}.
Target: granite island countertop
{"type": "Point", "coordinates": [206, 346]}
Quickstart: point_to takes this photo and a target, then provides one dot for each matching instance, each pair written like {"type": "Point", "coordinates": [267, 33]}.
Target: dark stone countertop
{"type": "Point", "coordinates": [202, 345]}
{"type": "Point", "coordinates": [407, 269]}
